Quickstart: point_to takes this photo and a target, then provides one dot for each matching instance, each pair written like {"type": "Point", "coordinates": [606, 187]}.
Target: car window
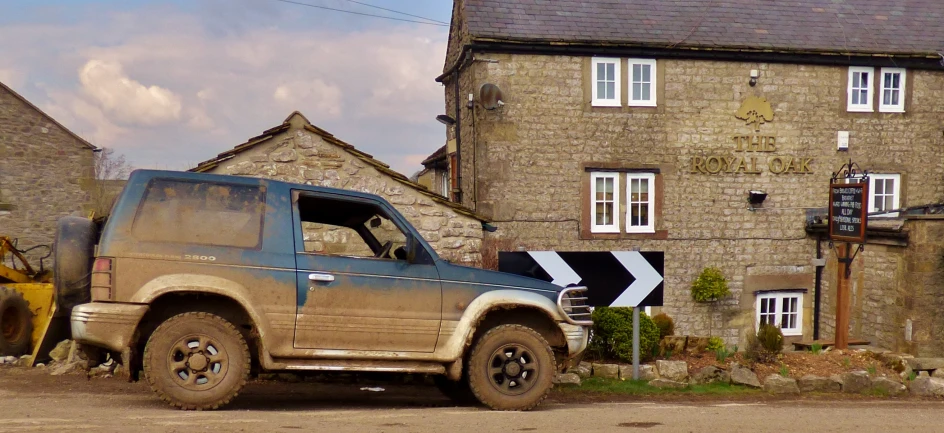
{"type": "Point", "coordinates": [349, 228]}
{"type": "Point", "coordinates": [201, 213]}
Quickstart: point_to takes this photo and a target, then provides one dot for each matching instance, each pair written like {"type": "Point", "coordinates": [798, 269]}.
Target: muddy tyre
{"type": "Point", "coordinates": [16, 323]}
{"type": "Point", "coordinates": [196, 361]}
{"type": "Point", "coordinates": [457, 391]}
{"type": "Point", "coordinates": [511, 368]}
{"type": "Point", "coordinates": [73, 252]}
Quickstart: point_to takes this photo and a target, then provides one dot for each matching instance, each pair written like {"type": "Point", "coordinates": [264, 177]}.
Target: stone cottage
{"type": "Point", "coordinates": [46, 172]}
{"type": "Point", "coordinates": [646, 124]}
{"type": "Point", "coordinates": [435, 174]}
{"type": "Point", "coordinates": [297, 151]}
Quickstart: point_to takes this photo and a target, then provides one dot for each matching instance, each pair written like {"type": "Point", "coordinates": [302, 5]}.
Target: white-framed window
{"type": "Point", "coordinates": [893, 90]}
{"type": "Point", "coordinates": [604, 202]}
{"type": "Point", "coordinates": [884, 193]}
{"type": "Point", "coordinates": [444, 184]}
{"type": "Point", "coordinates": [642, 83]}
{"type": "Point", "coordinates": [781, 309]}
{"type": "Point", "coordinates": [606, 82]}
{"type": "Point", "coordinates": [640, 202]}
{"type": "Point", "coordinates": [860, 88]}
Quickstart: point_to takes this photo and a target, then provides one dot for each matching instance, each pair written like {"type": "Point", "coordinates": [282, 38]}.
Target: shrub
{"type": "Point", "coordinates": [765, 345]}
{"type": "Point", "coordinates": [715, 344]}
{"type": "Point", "coordinates": [665, 324]}
{"type": "Point", "coordinates": [613, 334]}
{"type": "Point", "coordinates": [710, 286]}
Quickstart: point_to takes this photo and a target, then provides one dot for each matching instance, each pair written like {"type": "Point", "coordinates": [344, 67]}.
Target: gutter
{"type": "Point", "coordinates": [455, 70]}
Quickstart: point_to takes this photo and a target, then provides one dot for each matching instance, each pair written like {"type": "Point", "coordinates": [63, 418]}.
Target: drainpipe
{"type": "Point", "coordinates": [453, 71]}
{"type": "Point", "coordinates": [817, 296]}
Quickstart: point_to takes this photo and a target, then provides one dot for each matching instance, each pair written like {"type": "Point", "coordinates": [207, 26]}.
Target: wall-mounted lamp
{"type": "Point", "coordinates": [754, 74]}
{"type": "Point", "coordinates": [446, 120]}
{"type": "Point", "coordinates": [755, 198]}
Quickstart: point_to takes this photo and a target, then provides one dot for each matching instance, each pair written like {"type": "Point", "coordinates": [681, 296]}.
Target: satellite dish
{"type": "Point", "coordinates": [490, 96]}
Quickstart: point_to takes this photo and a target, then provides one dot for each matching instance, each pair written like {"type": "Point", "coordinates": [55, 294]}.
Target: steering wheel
{"type": "Point", "coordinates": [385, 250]}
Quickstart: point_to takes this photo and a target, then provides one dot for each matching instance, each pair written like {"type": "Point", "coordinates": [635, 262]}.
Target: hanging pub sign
{"type": "Point", "coordinates": [848, 210]}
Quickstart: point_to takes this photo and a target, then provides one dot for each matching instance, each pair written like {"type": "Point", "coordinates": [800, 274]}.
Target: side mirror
{"type": "Point", "coordinates": [412, 247]}
{"type": "Point", "coordinates": [375, 222]}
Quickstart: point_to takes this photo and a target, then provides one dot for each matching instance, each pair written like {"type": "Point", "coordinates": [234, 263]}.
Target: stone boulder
{"type": "Point", "coordinates": [61, 352]}
{"type": "Point", "coordinates": [584, 370]}
{"type": "Point", "coordinates": [696, 344]}
{"type": "Point", "coordinates": [69, 368]}
{"type": "Point", "coordinates": [666, 383]}
{"type": "Point", "coordinates": [673, 343]}
{"type": "Point", "coordinates": [927, 386]}
{"type": "Point", "coordinates": [855, 382]}
{"type": "Point", "coordinates": [895, 361]}
{"type": "Point", "coordinates": [887, 386]}
{"type": "Point", "coordinates": [567, 379]}
{"type": "Point", "coordinates": [646, 372]}
{"type": "Point", "coordinates": [711, 374]}
{"type": "Point", "coordinates": [672, 370]}
{"type": "Point", "coordinates": [810, 383]}
{"type": "Point", "coordinates": [939, 373]}
{"type": "Point", "coordinates": [606, 371]}
{"type": "Point", "coordinates": [777, 384]}
{"type": "Point", "coordinates": [925, 364]}
{"type": "Point", "coordinates": [741, 375]}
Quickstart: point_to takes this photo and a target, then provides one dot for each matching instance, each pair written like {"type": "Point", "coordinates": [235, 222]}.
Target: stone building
{"type": "Point", "coordinates": [435, 175]}
{"type": "Point", "coordinates": [297, 151]}
{"type": "Point", "coordinates": [46, 172]}
{"type": "Point", "coordinates": [645, 124]}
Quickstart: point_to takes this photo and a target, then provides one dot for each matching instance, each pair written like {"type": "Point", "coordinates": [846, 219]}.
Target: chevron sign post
{"type": "Point", "coordinates": [613, 278]}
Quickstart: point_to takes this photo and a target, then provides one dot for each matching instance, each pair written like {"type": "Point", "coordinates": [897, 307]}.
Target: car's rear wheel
{"type": "Point", "coordinates": [511, 368]}
{"type": "Point", "coordinates": [196, 361]}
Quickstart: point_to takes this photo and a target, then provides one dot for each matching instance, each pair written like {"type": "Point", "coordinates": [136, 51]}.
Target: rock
{"type": "Point", "coordinates": [672, 343]}
{"type": "Point", "coordinates": [567, 379]}
{"type": "Point", "coordinates": [927, 386]}
{"type": "Point", "coordinates": [696, 344]}
{"type": "Point", "coordinates": [923, 374]}
{"type": "Point", "coordinates": [606, 371]}
{"type": "Point", "coordinates": [810, 383]}
{"type": "Point", "coordinates": [711, 374]}
{"type": "Point", "coordinates": [777, 384]}
{"type": "Point", "coordinates": [666, 383]}
{"type": "Point", "coordinates": [939, 373]}
{"type": "Point", "coordinates": [69, 368]}
{"type": "Point", "coordinates": [895, 361]}
{"type": "Point", "coordinates": [672, 370]}
{"type": "Point", "coordinates": [887, 386]}
{"type": "Point", "coordinates": [85, 354]}
{"type": "Point", "coordinates": [584, 370]}
{"type": "Point", "coordinates": [7, 360]}
{"type": "Point", "coordinates": [646, 372]}
{"type": "Point", "coordinates": [61, 351]}
{"type": "Point", "coordinates": [906, 373]}
{"type": "Point", "coordinates": [925, 364]}
{"type": "Point", "coordinates": [855, 382]}
{"type": "Point", "coordinates": [741, 375]}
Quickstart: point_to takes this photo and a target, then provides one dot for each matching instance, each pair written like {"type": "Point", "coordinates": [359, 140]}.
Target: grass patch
{"type": "Point", "coordinates": [595, 385]}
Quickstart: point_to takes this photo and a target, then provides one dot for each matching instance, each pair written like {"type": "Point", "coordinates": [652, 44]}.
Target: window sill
{"type": "Point", "coordinates": [796, 333]}
{"type": "Point", "coordinates": [658, 235]}
{"type": "Point", "coordinates": [642, 104]}
{"type": "Point", "coordinates": [616, 104]}
{"type": "Point", "coordinates": [640, 231]}
{"type": "Point", "coordinates": [860, 109]}
{"type": "Point", "coordinates": [605, 230]}
{"type": "Point", "coordinates": [892, 110]}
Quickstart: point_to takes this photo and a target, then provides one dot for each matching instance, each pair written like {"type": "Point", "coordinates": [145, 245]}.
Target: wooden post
{"type": "Point", "coordinates": [842, 297]}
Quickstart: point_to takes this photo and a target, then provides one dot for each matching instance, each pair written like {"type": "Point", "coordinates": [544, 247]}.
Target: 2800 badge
{"type": "Point", "coordinates": [199, 258]}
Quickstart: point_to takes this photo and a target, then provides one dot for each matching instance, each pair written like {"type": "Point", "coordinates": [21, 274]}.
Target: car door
{"type": "Point", "coordinates": [349, 300]}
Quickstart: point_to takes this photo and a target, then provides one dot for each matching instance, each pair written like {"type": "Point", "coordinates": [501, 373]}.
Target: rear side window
{"type": "Point", "coordinates": [201, 213]}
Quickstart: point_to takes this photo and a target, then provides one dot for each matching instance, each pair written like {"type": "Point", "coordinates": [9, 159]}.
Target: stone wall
{"type": "Point", "coordinates": [529, 160]}
{"type": "Point", "coordinates": [301, 155]}
{"type": "Point", "coordinates": [45, 174]}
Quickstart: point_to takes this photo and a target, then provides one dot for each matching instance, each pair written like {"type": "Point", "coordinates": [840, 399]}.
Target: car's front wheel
{"type": "Point", "coordinates": [511, 368]}
{"type": "Point", "coordinates": [196, 361]}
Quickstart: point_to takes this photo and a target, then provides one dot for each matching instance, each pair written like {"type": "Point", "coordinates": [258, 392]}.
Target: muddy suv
{"type": "Point", "coordinates": [203, 280]}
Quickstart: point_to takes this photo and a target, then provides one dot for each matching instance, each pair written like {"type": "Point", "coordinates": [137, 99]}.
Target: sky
{"type": "Point", "coordinates": [171, 83]}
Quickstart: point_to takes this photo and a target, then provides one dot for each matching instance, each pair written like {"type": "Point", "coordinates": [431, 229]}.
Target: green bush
{"type": "Point", "coordinates": [613, 334]}
{"type": "Point", "coordinates": [715, 344]}
{"type": "Point", "coordinates": [710, 286]}
{"type": "Point", "coordinates": [665, 324]}
{"type": "Point", "coordinates": [766, 345]}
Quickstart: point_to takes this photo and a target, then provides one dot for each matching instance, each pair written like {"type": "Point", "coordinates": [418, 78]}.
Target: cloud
{"type": "Point", "coordinates": [126, 99]}
{"type": "Point", "coordinates": [174, 88]}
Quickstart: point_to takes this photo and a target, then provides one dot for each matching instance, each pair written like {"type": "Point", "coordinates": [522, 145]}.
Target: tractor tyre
{"type": "Point", "coordinates": [16, 323]}
{"type": "Point", "coordinates": [73, 252]}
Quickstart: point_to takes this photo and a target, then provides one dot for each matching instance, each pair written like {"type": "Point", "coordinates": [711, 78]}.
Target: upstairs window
{"type": "Point", "coordinates": [885, 193]}
{"type": "Point", "coordinates": [642, 80]}
{"type": "Point", "coordinates": [893, 91]}
{"type": "Point", "coordinates": [640, 193]}
{"type": "Point", "coordinates": [860, 89]}
{"type": "Point", "coordinates": [604, 193]}
{"type": "Point", "coordinates": [606, 82]}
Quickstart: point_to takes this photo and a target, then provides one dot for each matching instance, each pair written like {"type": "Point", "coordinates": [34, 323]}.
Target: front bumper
{"type": "Point", "coordinates": [108, 325]}
{"type": "Point", "coordinates": [577, 337]}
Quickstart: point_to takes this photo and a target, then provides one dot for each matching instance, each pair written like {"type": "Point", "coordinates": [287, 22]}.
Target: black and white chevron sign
{"type": "Point", "coordinates": [612, 278]}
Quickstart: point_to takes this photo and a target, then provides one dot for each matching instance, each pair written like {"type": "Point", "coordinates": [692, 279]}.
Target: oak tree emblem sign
{"type": "Point", "coordinates": [755, 110]}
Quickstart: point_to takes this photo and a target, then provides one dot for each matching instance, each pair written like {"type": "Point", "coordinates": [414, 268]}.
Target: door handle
{"type": "Point", "coordinates": [325, 278]}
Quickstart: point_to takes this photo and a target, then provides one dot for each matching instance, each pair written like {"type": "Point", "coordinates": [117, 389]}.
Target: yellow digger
{"type": "Point", "coordinates": [27, 305]}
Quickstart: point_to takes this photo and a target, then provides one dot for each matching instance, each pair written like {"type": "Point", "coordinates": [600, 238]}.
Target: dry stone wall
{"type": "Point", "coordinates": [530, 160]}
{"type": "Point", "coordinates": [301, 156]}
